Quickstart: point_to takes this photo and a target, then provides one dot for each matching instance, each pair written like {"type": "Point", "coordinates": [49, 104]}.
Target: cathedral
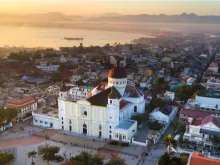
{"type": "Point", "coordinates": [106, 113]}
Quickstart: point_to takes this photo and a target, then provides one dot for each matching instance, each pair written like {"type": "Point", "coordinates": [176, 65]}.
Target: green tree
{"type": "Point", "coordinates": [80, 83]}
{"type": "Point", "coordinates": [56, 77]}
{"type": "Point", "coordinates": [6, 116]}
{"type": "Point", "coordinates": [184, 92]}
{"type": "Point", "coordinates": [154, 103]}
{"type": "Point", "coordinates": [31, 155]}
{"type": "Point", "coordinates": [165, 159]}
{"type": "Point", "coordinates": [86, 158]}
{"type": "Point", "coordinates": [181, 128]}
{"type": "Point", "coordinates": [115, 160]}
{"type": "Point", "coordinates": [139, 118]}
{"type": "Point", "coordinates": [6, 158]}
{"type": "Point", "coordinates": [215, 141]}
{"type": "Point", "coordinates": [160, 81]}
{"type": "Point", "coordinates": [155, 126]}
{"type": "Point", "coordinates": [49, 152]}
{"type": "Point", "coordinates": [169, 143]}
{"type": "Point", "coordinates": [196, 87]}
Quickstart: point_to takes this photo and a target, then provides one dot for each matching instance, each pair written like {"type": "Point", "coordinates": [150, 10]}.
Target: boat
{"type": "Point", "coordinates": [74, 38]}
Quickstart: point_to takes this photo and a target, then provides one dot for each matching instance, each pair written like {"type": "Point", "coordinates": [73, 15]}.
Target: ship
{"type": "Point", "coordinates": [74, 38]}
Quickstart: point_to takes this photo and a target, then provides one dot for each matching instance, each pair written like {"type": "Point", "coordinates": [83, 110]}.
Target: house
{"type": "Point", "coordinates": [164, 115]}
{"type": "Point", "coordinates": [190, 81]}
{"type": "Point", "coordinates": [48, 68]}
{"type": "Point", "coordinates": [80, 92]}
{"type": "Point", "coordinates": [196, 158]}
{"type": "Point", "coordinates": [25, 106]}
{"type": "Point", "coordinates": [199, 130]}
{"type": "Point", "coordinates": [200, 107]}
{"type": "Point", "coordinates": [213, 67]}
{"type": "Point", "coordinates": [169, 95]}
{"type": "Point", "coordinates": [63, 59]}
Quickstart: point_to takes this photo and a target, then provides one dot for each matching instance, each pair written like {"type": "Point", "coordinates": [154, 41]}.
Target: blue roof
{"type": "Point", "coordinates": [125, 124]}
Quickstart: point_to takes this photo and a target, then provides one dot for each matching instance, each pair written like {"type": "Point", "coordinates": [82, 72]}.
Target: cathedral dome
{"type": "Point", "coordinates": [117, 73]}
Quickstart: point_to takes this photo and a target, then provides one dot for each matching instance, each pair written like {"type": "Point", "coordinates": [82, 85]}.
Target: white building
{"type": "Point", "coordinates": [199, 130]}
{"type": "Point", "coordinates": [165, 115]}
{"type": "Point", "coordinates": [190, 80]}
{"type": "Point", "coordinates": [63, 59]}
{"type": "Point", "coordinates": [169, 95]}
{"type": "Point", "coordinates": [106, 113]}
{"type": "Point", "coordinates": [80, 92]}
{"type": "Point", "coordinates": [25, 105]}
{"type": "Point", "coordinates": [48, 68]}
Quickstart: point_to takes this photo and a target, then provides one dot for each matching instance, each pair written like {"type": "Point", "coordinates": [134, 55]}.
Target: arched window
{"type": "Point", "coordinates": [117, 83]}
{"type": "Point", "coordinates": [110, 101]}
{"type": "Point", "coordinates": [100, 127]}
{"type": "Point", "coordinates": [85, 113]}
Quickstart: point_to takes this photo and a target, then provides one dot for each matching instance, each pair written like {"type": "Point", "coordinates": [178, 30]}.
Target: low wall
{"type": "Point", "coordinates": [139, 143]}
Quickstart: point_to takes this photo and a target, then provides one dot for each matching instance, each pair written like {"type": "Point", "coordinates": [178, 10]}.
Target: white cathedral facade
{"type": "Point", "coordinates": [105, 114]}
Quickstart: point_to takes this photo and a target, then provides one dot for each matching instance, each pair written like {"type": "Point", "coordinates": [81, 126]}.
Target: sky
{"type": "Point", "coordinates": [96, 7]}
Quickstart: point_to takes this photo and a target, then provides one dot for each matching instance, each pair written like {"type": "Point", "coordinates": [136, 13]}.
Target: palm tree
{"type": "Point", "coordinates": [5, 158]}
{"type": "Point", "coordinates": [32, 155]}
{"type": "Point", "coordinates": [169, 143]}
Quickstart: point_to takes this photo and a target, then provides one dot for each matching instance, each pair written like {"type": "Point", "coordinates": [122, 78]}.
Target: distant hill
{"type": "Point", "coordinates": [111, 14]}
{"type": "Point", "coordinates": [52, 16]}
{"type": "Point", "coordinates": [162, 18]}
{"type": "Point", "coordinates": [114, 17]}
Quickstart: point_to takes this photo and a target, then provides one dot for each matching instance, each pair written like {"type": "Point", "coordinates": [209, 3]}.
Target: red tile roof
{"type": "Point", "coordinates": [20, 102]}
{"type": "Point", "coordinates": [211, 119]}
{"type": "Point", "coordinates": [196, 122]}
{"type": "Point", "coordinates": [199, 159]}
{"type": "Point", "coordinates": [196, 113]}
{"type": "Point", "coordinates": [123, 103]}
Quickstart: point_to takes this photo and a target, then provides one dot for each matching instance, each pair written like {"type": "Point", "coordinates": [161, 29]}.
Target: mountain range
{"type": "Point", "coordinates": [162, 18]}
{"type": "Point", "coordinates": [116, 17]}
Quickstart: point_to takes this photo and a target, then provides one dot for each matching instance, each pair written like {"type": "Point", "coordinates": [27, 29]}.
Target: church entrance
{"type": "Point", "coordinates": [120, 137]}
{"type": "Point", "coordinates": [135, 109]}
{"type": "Point", "coordinates": [84, 129]}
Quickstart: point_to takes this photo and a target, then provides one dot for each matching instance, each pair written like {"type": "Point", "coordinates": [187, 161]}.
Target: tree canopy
{"type": "Point", "coordinates": [115, 160]}
{"type": "Point", "coordinates": [155, 125]}
{"type": "Point", "coordinates": [154, 103]}
{"type": "Point", "coordinates": [6, 115]}
{"type": "Point", "coordinates": [49, 152]}
{"type": "Point", "coordinates": [87, 158]}
{"type": "Point", "coordinates": [6, 158]}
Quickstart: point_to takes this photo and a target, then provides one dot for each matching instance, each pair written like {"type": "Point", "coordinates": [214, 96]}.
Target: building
{"type": "Point", "coordinates": [25, 106]}
{"type": "Point", "coordinates": [106, 113]}
{"type": "Point", "coordinates": [164, 115]}
{"type": "Point", "coordinates": [199, 130]}
{"type": "Point", "coordinates": [199, 108]}
{"type": "Point", "coordinates": [190, 80]}
{"type": "Point", "coordinates": [213, 84]}
{"type": "Point", "coordinates": [48, 68]}
{"type": "Point", "coordinates": [213, 67]}
{"type": "Point", "coordinates": [196, 158]}
{"type": "Point", "coordinates": [80, 92]}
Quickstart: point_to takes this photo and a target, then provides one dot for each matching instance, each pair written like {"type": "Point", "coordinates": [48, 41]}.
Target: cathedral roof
{"type": "Point", "coordinates": [101, 99]}
{"type": "Point", "coordinates": [114, 93]}
{"type": "Point", "coordinates": [117, 72]}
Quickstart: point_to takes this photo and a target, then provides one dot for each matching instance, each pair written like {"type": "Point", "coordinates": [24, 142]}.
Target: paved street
{"type": "Point", "coordinates": [27, 142]}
